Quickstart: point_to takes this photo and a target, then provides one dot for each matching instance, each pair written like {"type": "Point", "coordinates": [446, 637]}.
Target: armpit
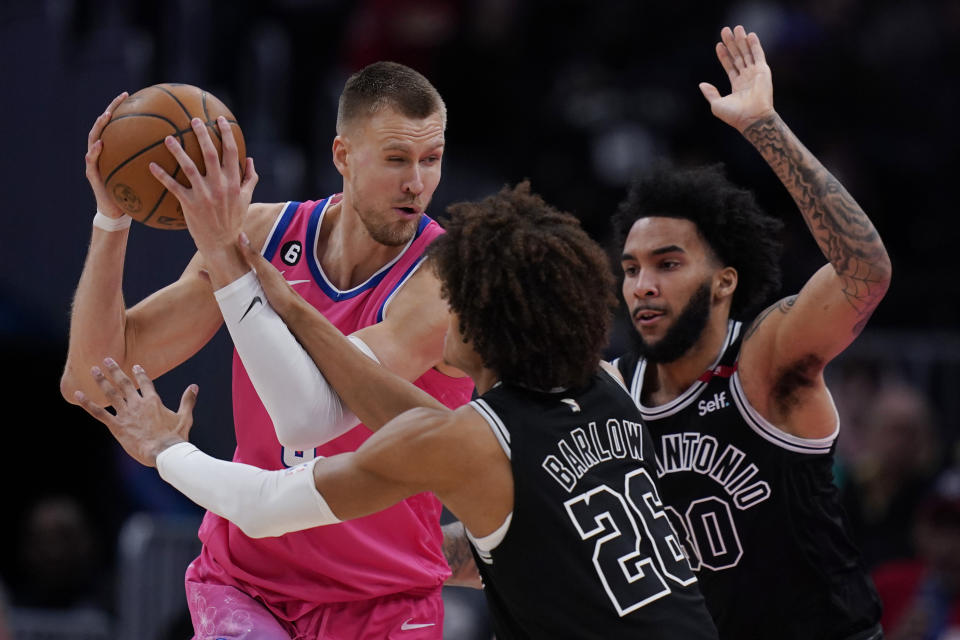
{"type": "Point", "coordinates": [793, 380]}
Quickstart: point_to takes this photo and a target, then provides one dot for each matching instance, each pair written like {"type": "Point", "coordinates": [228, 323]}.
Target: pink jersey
{"type": "Point", "coordinates": [396, 550]}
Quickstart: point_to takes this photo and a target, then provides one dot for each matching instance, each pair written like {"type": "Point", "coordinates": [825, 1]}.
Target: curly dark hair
{"type": "Point", "coordinates": [728, 218]}
{"type": "Point", "coordinates": [532, 291]}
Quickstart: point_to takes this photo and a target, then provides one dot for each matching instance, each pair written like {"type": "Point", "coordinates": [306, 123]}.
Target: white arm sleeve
{"type": "Point", "coordinates": [305, 410]}
{"type": "Point", "coordinates": [262, 503]}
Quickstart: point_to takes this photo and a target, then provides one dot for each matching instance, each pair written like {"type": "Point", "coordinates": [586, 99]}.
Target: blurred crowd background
{"type": "Point", "coordinates": [575, 95]}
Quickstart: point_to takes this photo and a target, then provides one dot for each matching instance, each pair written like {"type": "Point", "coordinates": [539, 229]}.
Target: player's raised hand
{"type": "Point", "coordinates": [751, 86]}
{"type": "Point", "coordinates": [216, 201]}
{"type": "Point", "coordinates": [142, 425]}
{"type": "Point", "coordinates": [105, 204]}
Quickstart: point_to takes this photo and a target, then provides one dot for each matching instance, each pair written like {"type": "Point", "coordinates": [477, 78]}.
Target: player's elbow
{"type": "Point", "coordinates": [253, 528]}
{"type": "Point", "coordinates": [881, 269]}
{"type": "Point", "coordinates": [311, 427]}
{"type": "Point", "coordinates": [299, 432]}
{"type": "Point", "coordinates": [885, 271]}
{"type": "Point", "coordinates": [69, 386]}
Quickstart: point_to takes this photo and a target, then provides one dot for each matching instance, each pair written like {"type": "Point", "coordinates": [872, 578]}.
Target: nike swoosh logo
{"type": "Point", "coordinates": [292, 282]}
{"type": "Point", "coordinates": [256, 299]}
{"type": "Point", "coordinates": [406, 626]}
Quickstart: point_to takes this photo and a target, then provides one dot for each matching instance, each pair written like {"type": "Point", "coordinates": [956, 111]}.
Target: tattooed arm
{"type": "Point", "coordinates": [790, 343]}
{"type": "Point", "coordinates": [456, 548]}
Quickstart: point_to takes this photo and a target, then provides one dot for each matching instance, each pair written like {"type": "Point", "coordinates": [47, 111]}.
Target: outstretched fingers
{"type": "Point", "coordinates": [109, 389]}
{"type": "Point", "coordinates": [101, 122]}
{"type": "Point", "coordinates": [143, 380]}
{"type": "Point", "coordinates": [743, 47]}
{"type": "Point", "coordinates": [753, 40]}
{"type": "Point", "coordinates": [231, 155]}
{"type": "Point", "coordinates": [120, 380]}
{"type": "Point", "coordinates": [208, 150]}
{"type": "Point", "coordinates": [250, 178]}
{"type": "Point", "coordinates": [710, 92]}
{"type": "Point", "coordinates": [187, 402]}
{"type": "Point", "coordinates": [726, 61]}
{"type": "Point", "coordinates": [94, 409]}
{"type": "Point", "coordinates": [94, 144]}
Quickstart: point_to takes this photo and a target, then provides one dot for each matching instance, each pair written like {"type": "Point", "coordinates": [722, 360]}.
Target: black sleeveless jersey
{"type": "Point", "coordinates": [757, 511]}
{"type": "Point", "coordinates": [589, 552]}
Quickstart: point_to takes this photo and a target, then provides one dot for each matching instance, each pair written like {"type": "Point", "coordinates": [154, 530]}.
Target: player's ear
{"type": "Point", "coordinates": [725, 282]}
{"type": "Point", "coordinates": [340, 149]}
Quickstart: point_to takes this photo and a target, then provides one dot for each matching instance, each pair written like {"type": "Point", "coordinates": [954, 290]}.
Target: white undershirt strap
{"type": "Point", "coordinates": [489, 542]}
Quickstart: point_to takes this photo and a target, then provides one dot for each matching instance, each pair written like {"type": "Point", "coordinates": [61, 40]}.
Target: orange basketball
{"type": "Point", "coordinates": [134, 138]}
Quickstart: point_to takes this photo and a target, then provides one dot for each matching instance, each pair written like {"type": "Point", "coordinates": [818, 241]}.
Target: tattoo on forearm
{"type": "Point", "coordinates": [838, 224]}
{"type": "Point", "coordinates": [783, 306]}
{"type": "Point", "coordinates": [456, 549]}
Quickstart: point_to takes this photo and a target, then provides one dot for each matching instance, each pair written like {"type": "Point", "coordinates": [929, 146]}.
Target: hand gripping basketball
{"type": "Point", "coordinates": [131, 136]}
{"type": "Point", "coordinates": [215, 203]}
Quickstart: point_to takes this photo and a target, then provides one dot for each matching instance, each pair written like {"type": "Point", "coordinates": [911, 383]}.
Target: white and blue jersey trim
{"type": "Point", "coordinates": [313, 232]}
{"type": "Point", "coordinates": [279, 228]}
{"type": "Point", "coordinates": [382, 312]}
{"type": "Point", "coordinates": [310, 249]}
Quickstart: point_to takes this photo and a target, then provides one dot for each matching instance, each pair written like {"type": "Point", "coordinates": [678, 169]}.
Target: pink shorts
{"type": "Point", "coordinates": [219, 611]}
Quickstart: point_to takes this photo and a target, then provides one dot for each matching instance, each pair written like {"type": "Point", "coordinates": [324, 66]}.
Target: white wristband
{"type": "Point", "coordinates": [262, 503]}
{"type": "Point", "coordinates": [111, 224]}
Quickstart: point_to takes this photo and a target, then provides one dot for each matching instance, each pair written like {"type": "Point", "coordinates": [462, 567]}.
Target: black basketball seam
{"type": "Point", "coordinates": [177, 132]}
{"type": "Point", "coordinates": [177, 100]}
{"type": "Point", "coordinates": [163, 194]}
{"type": "Point", "coordinates": [140, 115]}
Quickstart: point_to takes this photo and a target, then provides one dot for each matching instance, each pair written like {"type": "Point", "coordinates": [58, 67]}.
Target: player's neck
{"type": "Point", "coordinates": [483, 379]}
{"type": "Point", "coordinates": [666, 381]}
{"type": "Point", "coordinates": [345, 250]}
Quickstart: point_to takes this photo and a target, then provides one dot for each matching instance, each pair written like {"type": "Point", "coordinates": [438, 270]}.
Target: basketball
{"type": "Point", "coordinates": [134, 138]}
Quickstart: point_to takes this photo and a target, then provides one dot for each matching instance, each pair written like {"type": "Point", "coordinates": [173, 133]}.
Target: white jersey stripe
{"type": "Point", "coordinates": [771, 433]}
{"type": "Point", "coordinates": [496, 425]}
{"type": "Point", "coordinates": [682, 401]}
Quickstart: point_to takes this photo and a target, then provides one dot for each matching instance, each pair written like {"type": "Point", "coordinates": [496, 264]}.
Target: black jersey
{"type": "Point", "coordinates": [757, 512]}
{"type": "Point", "coordinates": [589, 552]}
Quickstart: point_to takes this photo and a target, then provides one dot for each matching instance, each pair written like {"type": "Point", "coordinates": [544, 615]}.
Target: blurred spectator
{"type": "Point", "coordinates": [59, 559]}
{"type": "Point", "coordinates": [921, 596]}
{"type": "Point", "coordinates": [897, 462]}
{"type": "Point", "coordinates": [4, 624]}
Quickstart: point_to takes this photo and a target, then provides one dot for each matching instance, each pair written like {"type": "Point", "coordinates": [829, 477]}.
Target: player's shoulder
{"type": "Point", "coordinates": [426, 429]}
{"type": "Point", "coordinates": [612, 369]}
{"type": "Point", "coordinates": [259, 219]}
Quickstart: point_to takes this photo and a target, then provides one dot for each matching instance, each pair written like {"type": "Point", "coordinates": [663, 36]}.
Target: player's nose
{"type": "Point", "coordinates": [414, 181]}
{"type": "Point", "coordinates": [646, 285]}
